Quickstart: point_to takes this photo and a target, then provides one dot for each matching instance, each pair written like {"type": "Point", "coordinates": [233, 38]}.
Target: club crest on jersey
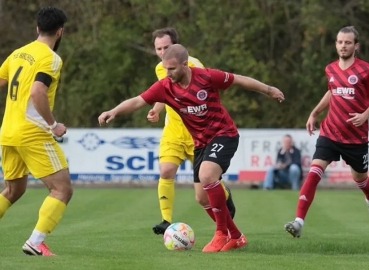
{"type": "Point", "coordinates": [202, 95]}
{"type": "Point", "coordinates": [352, 79]}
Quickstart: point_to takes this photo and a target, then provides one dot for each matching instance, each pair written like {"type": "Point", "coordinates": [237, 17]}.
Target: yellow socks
{"type": "Point", "coordinates": [4, 205]}
{"type": "Point", "coordinates": [50, 213]}
{"type": "Point", "coordinates": [166, 198]}
{"type": "Point", "coordinates": [225, 191]}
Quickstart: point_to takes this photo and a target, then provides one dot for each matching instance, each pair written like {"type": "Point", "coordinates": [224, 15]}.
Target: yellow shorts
{"type": "Point", "coordinates": [41, 159]}
{"type": "Point", "coordinates": [175, 152]}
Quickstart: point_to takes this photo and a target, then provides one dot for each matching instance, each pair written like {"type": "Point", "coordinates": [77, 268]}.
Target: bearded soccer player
{"type": "Point", "coordinates": [32, 73]}
{"type": "Point", "coordinates": [344, 131]}
{"type": "Point", "coordinates": [176, 143]}
{"type": "Point", "coordinates": [194, 94]}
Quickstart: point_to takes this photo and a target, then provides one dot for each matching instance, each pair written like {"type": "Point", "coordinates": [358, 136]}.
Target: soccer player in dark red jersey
{"type": "Point", "coordinates": [344, 131]}
{"type": "Point", "coordinates": [194, 94]}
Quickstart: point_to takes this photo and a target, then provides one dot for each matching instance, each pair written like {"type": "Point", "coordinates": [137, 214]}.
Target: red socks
{"type": "Point", "coordinates": [364, 186]}
{"type": "Point", "coordinates": [210, 212]}
{"type": "Point", "coordinates": [217, 201]}
{"type": "Point", "coordinates": [308, 189]}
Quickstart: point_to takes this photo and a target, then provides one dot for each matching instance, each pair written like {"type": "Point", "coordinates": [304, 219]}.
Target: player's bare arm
{"type": "Point", "coordinates": [158, 107]}
{"type": "Point", "coordinates": [41, 103]}
{"type": "Point", "coordinates": [127, 106]}
{"type": "Point", "coordinates": [255, 85]}
{"type": "Point", "coordinates": [322, 105]}
{"type": "Point", "coordinates": [3, 82]}
{"type": "Point", "coordinates": [153, 115]}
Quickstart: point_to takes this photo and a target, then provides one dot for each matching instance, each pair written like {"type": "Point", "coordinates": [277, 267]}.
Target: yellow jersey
{"type": "Point", "coordinates": [22, 125]}
{"type": "Point", "coordinates": [174, 128]}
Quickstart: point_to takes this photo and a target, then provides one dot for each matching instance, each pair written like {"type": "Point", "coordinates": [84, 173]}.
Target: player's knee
{"type": "Point", "coordinates": [14, 189]}
{"type": "Point", "coordinates": [68, 192]}
{"type": "Point", "coordinates": [202, 199]}
{"type": "Point", "coordinates": [207, 178]}
{"type": "Point", "coordinates": [62, 192]}
{"type": "Point", "coordinates": [209, 172]}
{"type": "Point", "coordinates": [168, 172]}
{"type": "Point", "coordinates": [13, 193]}
{"type": "Point", "coordinates": [60, 185]}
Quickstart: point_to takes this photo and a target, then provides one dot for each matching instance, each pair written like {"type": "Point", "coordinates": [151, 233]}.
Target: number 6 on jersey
{"type": "Point", "coordinates": [14, 85]}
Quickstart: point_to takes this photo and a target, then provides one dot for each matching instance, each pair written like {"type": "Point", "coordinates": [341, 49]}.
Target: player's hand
{"type": "Point", "coordinates": [153, 116]}
{"type": "Point", "coordinates": [276, 93]}
{"type": "Point", "coordinates": [59, 130]}
{"type": "Point", "coordinates": [106, 117]}
{"type": "Point", "coordinates": [310, 125]}
{"type": "Point", "coordinates": [357, 119]}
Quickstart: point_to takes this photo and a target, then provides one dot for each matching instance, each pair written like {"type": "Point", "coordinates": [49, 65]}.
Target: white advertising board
{"type": "Point", "coordinates": [118, 155]}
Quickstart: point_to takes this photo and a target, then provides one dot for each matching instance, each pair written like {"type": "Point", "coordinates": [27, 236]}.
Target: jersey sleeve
{"type": "Point", "coordinates": [160, 71]}
{"type": "Point", "coordinates": [51, 66]}
{"type": "Point", "coordinates": [329, 87]}
{"type": "Point", "coordinates": [4, 70]}
{"type": "Point", "coordinates": [194, 62]}
{"type": "Point", "coordinates": [156, 93]}
{"type": "Point", "coordinates": [220, 79]}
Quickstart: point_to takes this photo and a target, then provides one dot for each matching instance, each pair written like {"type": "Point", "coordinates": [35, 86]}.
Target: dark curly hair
{"type": "Point", "coordinates": [50, 19]}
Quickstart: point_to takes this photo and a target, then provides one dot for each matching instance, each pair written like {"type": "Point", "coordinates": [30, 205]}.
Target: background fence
{"type": "Point", "coordinates": [112, 155]}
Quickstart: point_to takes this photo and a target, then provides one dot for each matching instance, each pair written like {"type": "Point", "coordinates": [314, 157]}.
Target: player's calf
{"type": "Point", "coordinates": [230, 204]}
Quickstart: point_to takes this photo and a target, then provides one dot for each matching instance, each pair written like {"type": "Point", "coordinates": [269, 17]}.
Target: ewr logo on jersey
{"type": "Point", "coordinates": [200, 110]}
{"type": "Point", "coordinates": [344, 92]}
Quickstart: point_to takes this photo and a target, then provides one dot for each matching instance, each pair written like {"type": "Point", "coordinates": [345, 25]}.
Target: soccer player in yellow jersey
{"type": "Point", "coordinates": [176, 143]}
{"type": "Point", "coordinates": [32, 73]}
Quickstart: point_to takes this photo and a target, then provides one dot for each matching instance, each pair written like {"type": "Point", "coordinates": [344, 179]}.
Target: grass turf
{"type": "Point", "coordinates": [111, 229]}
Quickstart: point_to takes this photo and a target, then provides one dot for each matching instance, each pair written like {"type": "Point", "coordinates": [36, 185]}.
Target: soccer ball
{"type": "Point", "coordinates": [179, 236]}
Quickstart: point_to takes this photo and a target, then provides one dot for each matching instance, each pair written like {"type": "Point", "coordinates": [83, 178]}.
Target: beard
{"type": "Point", "coordinates": [57, 44]}
{"type": "Point", "coordinates": [347, 56]}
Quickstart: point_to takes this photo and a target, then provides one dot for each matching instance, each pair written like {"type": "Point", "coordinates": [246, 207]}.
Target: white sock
{"type": "Point", "coordinates": [37, 237]}
{"type": "Point", "coordinates": [300, 221]}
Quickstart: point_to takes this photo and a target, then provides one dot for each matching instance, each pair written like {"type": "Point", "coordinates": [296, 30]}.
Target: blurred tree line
{"type": "Point", "coordinates": [108, 52]}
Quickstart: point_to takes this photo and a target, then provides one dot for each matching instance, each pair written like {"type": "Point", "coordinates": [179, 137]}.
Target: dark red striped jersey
{"type": "Point", "coordinates": [349, 94]}
{"type": "Point", "coordinates": [199, 104]}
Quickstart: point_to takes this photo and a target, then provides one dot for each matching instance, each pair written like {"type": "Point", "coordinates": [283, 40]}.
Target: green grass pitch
{"type": "Point", "coordinates": [111, 229]}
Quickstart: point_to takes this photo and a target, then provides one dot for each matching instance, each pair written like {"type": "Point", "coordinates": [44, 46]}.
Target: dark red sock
{"type": "Point", "coordinates": [308, 189]}
{"type": "Point", "coordinates": [364, 186]}
{"type": "Point", "coordinates": [233, 230]}
{"type": "Point", "coordinates": [217, 201]}
{"type": "Point", "coordinates": [210, 212]}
